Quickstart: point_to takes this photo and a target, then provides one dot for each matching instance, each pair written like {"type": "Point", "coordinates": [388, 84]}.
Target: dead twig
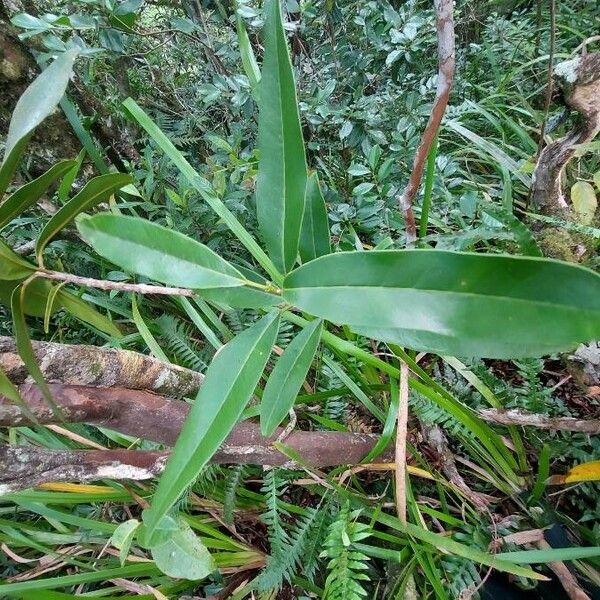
{"type": "Point", "coordinates": [400, 451]}
{"type": "Point", "coordinates": [148, 416]}
{"type": "Point", "coordinates": [527, 419]}
{"type": "Point", "coordinates": [434, 437]}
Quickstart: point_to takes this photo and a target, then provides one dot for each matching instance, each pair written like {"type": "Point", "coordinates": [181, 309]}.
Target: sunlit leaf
{"type": "Point", "coordinates": [123, 536]}
{"type": "Point", "coordinates": [588, 471]}
{"type": "Point", "coordinates": [37, 102]}
{"type": "Point", "coordinates": [461, 304]}
{"type": "Point", "coordinates": [584, 201]}
{"type": "Point", "coordinates": [183, 555]}
{"type": "Point", "coordinates": [162, 254]}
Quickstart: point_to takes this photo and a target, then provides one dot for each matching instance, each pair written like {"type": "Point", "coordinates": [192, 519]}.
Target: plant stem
{"type": "Point", "coordinates": [101, 284]}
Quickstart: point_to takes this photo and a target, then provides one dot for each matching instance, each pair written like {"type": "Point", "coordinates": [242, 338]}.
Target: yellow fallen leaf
{"type": "Point", "coordinates": [589, 471]}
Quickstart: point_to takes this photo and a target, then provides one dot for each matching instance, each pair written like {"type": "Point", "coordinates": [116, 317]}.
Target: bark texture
{"type": "Point", "coordinates": [103, 367]}
{"type": "Point", "coordinates": [152, 417]}
{"type": "Point", "coordinates": [579, 80]}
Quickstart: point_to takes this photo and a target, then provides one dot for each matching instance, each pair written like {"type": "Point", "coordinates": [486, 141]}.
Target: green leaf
{"type": "Point", "coordinates": [314, 237]}
{"type": "Point", "coordinates": [389, 425]}
{"type": "Point", "coordinates": [494, 152]}
{"type": "Point", "coordinates": [37, 102]}
{"type": "Point", "coordinates": [87, 313]}
{"type": "Point", "coordinates": [66, 581]}
{"type": "Point", "coordinates": [287, 377]}
{"type": "Point", "coordinates": [228, 386]}
{"type": "Point", "coordinates": [528, 557]}
{"type": "Point", "coordinates": [28, 194]}
{"type": "Point", "coordinates": [95, 191]}
{"type": "Point", "coordinates": [281, 181]}
{"type": "Point", "coordinates": [461, 304]}
{"type": "Point", "coordinates": [24, 346]}
{"type": "Point", "coordinates": [243, 297]}
{"type": "Point", "coordinates": [36, 298]}
{"type": "Point", "coordinates": [247, 53]}
{"type": "Point", "coordinates": [183, 555]}
{"type": "Point", "coordinates": [147, 336]}
{"type": "Point", "coordinates": [67, 182]}
{"type": "Point", "coordinates": [164, 255]}
{"type": "Point", "coordinates": [12, 266]}
{"type": "Point", "coordinates": [122, 538]}
{"type": "Point", "coordinates": [240, 297]}
{"type": "Point", "coordinates": [521, 232]}
{"type": "Point", "coordinates": [36, 301]}
{"type": "Point", "coordinates": [203, 187]}
{"type": "Point", "coordinates": [584, 201]}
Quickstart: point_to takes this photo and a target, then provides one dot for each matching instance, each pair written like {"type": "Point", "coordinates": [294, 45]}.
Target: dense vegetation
{"type": "Point", "coordinates": [296, 288]}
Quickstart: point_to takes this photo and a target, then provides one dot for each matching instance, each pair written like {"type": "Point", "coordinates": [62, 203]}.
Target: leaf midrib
{"type": "Point", "coordinates": [440, 292]}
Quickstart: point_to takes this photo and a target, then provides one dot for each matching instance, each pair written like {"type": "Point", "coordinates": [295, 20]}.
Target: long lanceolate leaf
{"type": "Point", "coordinates": [281, 181]}
{"type": "Point", "coordinates": [287, 377]}
{"type": "Point", "coordinates": [149, 249]}
{"type": "Point", "coordinates": [229, 383]}
{"type": "Point", "coordinates": [28, 194]}
{"type": "Point", "coordinates": [462, 304]}
{"type": "Point", "coordinates": [38, 101]}
{"type": "Point", "coordinates": [314, 236]}
{"type": "Point", "coordinates": [247, 53]}
{"type": "Point", "coordinates": [95, 191]}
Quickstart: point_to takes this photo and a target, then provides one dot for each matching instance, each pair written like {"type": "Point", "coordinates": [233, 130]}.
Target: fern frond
{"type": "Point", "coordinates": [232, 482]}
{"type": "Point", "coordinates": [177, 336]}
{"type": "Point", "coordinates": [274, 514]}
{"type": "Point", "coordinates": [305, 536]}
{"type": "Point", "coordinates": [346, 565]}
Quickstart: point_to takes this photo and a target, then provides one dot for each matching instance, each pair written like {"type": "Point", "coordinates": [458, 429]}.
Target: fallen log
{"type": "Point", "coordinates": [104, 367]}
{"type": "Point", "coordinates": [146, 415]}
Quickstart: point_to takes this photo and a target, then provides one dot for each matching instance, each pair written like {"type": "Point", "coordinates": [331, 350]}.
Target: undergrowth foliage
{"type": "Point", "coordinates": [347, 565]}
{"type": "Point", "coordinates": [271, 142]}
